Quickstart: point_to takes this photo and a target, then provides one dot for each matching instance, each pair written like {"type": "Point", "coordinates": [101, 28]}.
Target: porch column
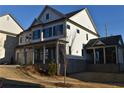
{"type": "Point", "coordinates": [41, 35]}
{"type": "Point", "coordinates": [44, 54]}
{"type": "Point", "coordinates": [104, 55]}
{"type": "Point", "coordinates": [57, 57]}
{"type": "Point", "coordinates": [33, 50]}
{"type": "Point", "coordinates": [57, 53]}
{"type": "Point", "coordinates": [94, 52]}
{"type": "Point", "coordinates": [116, 50]}
{"type": "Point", "coordinates": [24, 55]}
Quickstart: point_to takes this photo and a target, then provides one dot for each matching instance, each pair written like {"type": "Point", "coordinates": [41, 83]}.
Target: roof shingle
{"type": "Point", "coordinates": [111, 40]}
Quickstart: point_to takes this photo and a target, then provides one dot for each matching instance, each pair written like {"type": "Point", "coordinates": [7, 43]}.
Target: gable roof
{"type": "Point", "coordinates": [90, 17]}
{"type": "Point", "coordinates": [111, 40]}
{"type": "Point", "coordinates": [46, 7]}
{"type": "Point", "coordinates": [68, 15]}
{"type": "Point", "coordinates": [13, 19]}
{"type": "Point", "coordinates": [64, 16]}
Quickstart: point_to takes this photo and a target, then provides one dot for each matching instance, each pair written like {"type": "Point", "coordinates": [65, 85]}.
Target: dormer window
{"type": "Point", "coordinates": [47, 16]}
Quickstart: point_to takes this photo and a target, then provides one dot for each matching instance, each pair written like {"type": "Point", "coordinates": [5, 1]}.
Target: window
{"type": "Point", "coordinates": [54, 31]}
{"type": "Point", "coordinates": [82, 52]}
{"type": "Point", "coordinates": [36, 34]}
{"type": "Point", "coordinates": [68, 27]}
{"type": "Point", "coordinates": [86, 36]}
{"type": "Point", "coordinates": [69, 50]}
{"type": "Point", "coordinates": [58, 30]}
{"type": "Point", "coordinates": [78, 31]}
{"type": "Point", "coordinates": [47, 16]}
{"type": "Point", "coordinates": [50, 31]}
{"type": "Point", "coordinates": [47, 32]}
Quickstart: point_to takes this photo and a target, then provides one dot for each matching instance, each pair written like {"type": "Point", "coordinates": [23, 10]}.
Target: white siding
{"type": "Point", "coordinates": [83, 19]}
{"type": "Point", "coordinates": [2, 42]}
{"type": "Point", "coordinates": [80, 39]}
{"type": "Point", "coordinates": [120, 55]}
{"type": "Point", "coordinates": [9, 25]}
{"type": "Point", "coordinates": [8, 41]}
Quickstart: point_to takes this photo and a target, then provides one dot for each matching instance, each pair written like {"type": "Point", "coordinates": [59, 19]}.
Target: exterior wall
{"type": "Point", "coordinates": [8, 40]}
{"type": "Point", "coordinates": [83, 19]}
{"type": "Point", "coordinates": [9, 25]}
{"type": "Point", "coordinates": [74, 66]}
{"type": "Point", "coordinates": [7, 47]}
{"type": "Point", "coordinates": [80, 39]}
{"type": "Point", "coordinates": [23, 37]}
{"type": "Point", "coordinates": [120, 55]}
{"type": "Point", "coordinates": [20, 56]}
{"type": "Point", "coordinates": [29, 56]}
{"type": "Point", "coordinates": [53, 16]}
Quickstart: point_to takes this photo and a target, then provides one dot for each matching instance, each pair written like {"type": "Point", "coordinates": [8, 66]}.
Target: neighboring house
{"type": "Point", "coordinates": [9, 29]}
{"type": "Point", "coordinates": [105, 54]}
{"type": "Point", "coordinates": [54, 32]}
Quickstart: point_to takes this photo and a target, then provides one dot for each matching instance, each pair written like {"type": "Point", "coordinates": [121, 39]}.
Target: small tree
{"type": "Point", "coordinates": [52, 68]}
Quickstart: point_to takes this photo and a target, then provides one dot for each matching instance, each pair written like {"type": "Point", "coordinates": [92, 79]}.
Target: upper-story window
{"type": "Point", "coordinates": [86, 36]}
{"type": "Point", "coordinates": [47, 32]}
{"type": "Point", "coordinates": [58, 30]}
{"type": "Point", "coordinates": [68, 27]}
{"type": "Point", "coordinates": [36, 34]}
{"type": "Point", "coordinates": [47, 16]}
{"type": "Point", "coordinates": [78, 31]}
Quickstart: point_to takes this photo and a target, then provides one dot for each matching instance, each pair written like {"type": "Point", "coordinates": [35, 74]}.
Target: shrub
{"type": "Point", "coordinates": [52, 69]}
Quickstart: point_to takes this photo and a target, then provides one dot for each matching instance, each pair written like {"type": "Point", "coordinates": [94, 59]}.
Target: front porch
{"type": "Point", "coordinates": [42, 53]}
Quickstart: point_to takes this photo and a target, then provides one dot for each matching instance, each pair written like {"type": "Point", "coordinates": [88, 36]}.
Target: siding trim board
{"type": "Point", "coordinates": [5, 32]}
{"type": "Point", "coordinates": [47, 41]}
{"type": "Point", "coordinates": [82, 27]}
{"type": "Point", "coordinates": [91, 19]}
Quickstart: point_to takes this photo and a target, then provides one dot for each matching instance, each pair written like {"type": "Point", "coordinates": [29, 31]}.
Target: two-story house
{"type": "Point", "coordinates": [9, 29]}
{"type": "Point", "coordinates": [54, 32]}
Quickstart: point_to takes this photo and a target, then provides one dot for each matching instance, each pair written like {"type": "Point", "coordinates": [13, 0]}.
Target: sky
{"type": "Point", "coordinates": [112, 16]}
